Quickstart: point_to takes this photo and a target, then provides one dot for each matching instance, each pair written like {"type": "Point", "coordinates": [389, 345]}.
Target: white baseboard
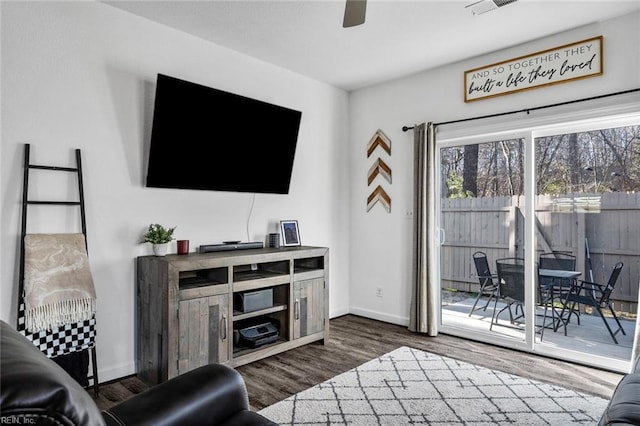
{"type": "Point", "coordinates": [115, 373]}
{"type": "Point", "coordinates": [339, 312]}
{"type": "Point", "coordinates": [380, 316]}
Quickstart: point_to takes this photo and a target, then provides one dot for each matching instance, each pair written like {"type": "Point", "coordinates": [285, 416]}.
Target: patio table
{"type": "Point", "coordinates": [558, 291]}
{"type": "Point", "coordinates": [559, 273]}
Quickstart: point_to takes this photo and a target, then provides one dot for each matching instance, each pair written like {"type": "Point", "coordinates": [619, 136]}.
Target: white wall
{"type": "Point", "coordinates": [381, 242]}
{"type": "Point", "coordinates": [82, 75]}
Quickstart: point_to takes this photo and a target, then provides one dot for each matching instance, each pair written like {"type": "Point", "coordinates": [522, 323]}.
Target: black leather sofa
{"type": "Point", "coordinates": [36, 391]}
{"type": "Point", "coordinates": [624, 406]}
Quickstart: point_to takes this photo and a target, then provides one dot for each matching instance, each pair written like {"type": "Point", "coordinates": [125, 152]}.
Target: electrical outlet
{"type": "Point", "coordinates": [379, 291]}
{"type": "Point", "coordinates": [254, 266]}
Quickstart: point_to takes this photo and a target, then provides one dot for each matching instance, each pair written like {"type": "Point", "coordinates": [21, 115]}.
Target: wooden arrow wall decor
{"type": "Point", "coordinates": [379, 168]}
{"type": "Point", "coordinates": [381, 196]}
{"type": "Point", "coordinates": [379, 141]}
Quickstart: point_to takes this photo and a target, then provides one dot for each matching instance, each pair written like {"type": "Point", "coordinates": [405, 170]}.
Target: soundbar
{"type": "Point", "coordinates": [234, 246]}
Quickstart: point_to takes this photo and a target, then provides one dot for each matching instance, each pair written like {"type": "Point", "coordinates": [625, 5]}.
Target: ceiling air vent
{"type": "Point", "coordinates": [483, 6]}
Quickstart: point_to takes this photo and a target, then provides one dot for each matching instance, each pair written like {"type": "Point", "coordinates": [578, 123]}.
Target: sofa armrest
{"type": "Point", "coordinates": [624, 407]}
{"type": "Point", "coordinates": [207, 395]}
{"type": "Point", "coordinates": [36, 390]}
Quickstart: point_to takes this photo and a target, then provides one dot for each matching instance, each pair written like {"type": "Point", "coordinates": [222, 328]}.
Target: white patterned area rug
{"type": "Point", "coordinates": [411, 387]}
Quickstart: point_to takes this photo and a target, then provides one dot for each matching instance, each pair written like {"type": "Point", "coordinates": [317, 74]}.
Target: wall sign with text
{"type": "Point", "coordinates": [561, 64]}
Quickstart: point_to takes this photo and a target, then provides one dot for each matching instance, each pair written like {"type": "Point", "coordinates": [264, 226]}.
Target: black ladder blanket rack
{"type": "Point", "coordinates": [68, 344]}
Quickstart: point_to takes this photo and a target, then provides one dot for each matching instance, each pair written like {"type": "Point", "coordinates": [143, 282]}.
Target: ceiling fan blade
{"type": "Point", "coordinates": [354, 13]}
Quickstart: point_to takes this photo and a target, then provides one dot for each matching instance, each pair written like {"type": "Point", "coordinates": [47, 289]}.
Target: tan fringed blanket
{"type": "Point", "coordinates": [58, 287]}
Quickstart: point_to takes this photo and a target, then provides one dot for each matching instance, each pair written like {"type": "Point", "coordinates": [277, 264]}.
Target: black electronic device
{"type": "Point", "coordinates": [220, 141]}
{"type": "Point", "coordinates": [256, 333]}
{"type": "Point", "coordinates": [253, 300]}
{"type": "Point", "coordinates": [227, 247]}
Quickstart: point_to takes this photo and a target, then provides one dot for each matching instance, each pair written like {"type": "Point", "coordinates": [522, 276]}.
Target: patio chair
{"type": "Point", "coordinates": [558, 260]}
{"type": "Point", "coordinates": [552, 290]}
{"type": "Point", "coordinates": [511, 288]}
{"type": "Point", "coordinates": [488, 287]}
{"type": "Point", "coordinates": [598, 297]}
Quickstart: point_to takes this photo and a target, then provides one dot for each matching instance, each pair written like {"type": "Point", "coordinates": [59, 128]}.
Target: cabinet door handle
{"type": "Point", "coordinates": [224, 328]}
{"type": "Point", "coordinates": [296, 309]}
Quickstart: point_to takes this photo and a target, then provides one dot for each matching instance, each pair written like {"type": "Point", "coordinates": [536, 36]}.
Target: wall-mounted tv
{"type": "Point", "coordinates": [209, 139]}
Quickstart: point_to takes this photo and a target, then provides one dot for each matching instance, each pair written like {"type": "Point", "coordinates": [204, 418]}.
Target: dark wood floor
{"type": "Point", "coordinates": [354, 340]}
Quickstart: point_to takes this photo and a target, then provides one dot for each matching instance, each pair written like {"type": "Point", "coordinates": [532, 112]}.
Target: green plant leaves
{"type": "Point", "coordinates": [158, 234]}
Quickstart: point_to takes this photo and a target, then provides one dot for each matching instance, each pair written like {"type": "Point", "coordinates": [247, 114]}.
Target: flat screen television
{"type": "Point", "coordinates": [209, 139]}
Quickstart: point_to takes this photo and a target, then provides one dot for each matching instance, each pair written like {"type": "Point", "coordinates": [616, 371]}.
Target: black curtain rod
{"type": "Point", "coordinates": [528, 110]}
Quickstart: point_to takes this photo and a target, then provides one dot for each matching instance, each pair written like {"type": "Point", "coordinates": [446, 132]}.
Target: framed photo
{"type": "Point", "coordinates": [290, 232]}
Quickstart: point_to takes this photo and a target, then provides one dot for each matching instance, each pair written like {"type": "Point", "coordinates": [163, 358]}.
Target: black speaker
{"type": "Point", "coordinates": [227, 247]}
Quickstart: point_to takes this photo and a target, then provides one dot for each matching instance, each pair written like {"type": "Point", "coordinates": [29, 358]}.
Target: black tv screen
{"type": "Point", "coordinates": [209, 139]}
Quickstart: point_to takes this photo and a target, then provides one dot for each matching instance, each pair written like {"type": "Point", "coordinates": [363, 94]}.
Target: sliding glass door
{"type": "Point", "coordinates": [481, 215]}
{"type": "Point", "coordinates": [534, 223]}
{"type": "Point", "coordinates": [587, 209]}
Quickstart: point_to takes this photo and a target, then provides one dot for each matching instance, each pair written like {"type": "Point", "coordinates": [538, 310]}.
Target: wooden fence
{"type": "Point", "coordinates": [608, 223]}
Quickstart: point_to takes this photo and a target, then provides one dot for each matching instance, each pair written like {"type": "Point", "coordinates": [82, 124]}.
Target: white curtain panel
{"type": "Point", "coordinates": [423, 314]}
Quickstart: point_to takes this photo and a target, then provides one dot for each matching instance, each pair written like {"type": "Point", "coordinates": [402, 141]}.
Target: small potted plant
{"type": "Point", "coordinates": [160, 237]}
